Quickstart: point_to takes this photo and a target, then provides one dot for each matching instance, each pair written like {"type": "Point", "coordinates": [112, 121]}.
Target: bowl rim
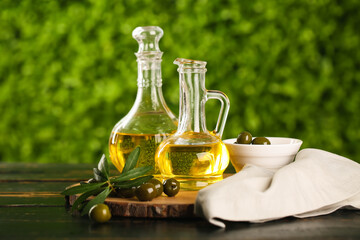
{"type": "Point", "coordinates": [231, 141]}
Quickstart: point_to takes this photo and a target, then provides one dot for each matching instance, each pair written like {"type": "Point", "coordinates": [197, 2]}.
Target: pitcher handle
{"type": "Point", "coordinates": [224, 110]}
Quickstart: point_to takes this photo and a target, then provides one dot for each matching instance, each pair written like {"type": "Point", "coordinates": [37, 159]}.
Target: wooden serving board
{"type": "Point", "coordinates": [180, 206]}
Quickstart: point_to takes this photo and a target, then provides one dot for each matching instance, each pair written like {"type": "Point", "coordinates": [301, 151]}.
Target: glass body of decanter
{"type": "Point", "coordinates": [193, 155]}
{"type": "Point", "coordinates": [149, 121]}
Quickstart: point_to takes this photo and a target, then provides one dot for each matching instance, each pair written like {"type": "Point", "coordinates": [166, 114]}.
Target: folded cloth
{"type": "Point", "coordinates": [316, 183]}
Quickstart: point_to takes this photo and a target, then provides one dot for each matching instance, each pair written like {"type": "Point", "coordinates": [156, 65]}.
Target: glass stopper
{"type": "Point", "coordinates": [148, 38]}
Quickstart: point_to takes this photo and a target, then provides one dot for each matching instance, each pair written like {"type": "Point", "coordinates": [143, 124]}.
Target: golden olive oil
{"type": "Point", "coordinates": [122, 144]}
{"type": "Point", "coordinates": [194, 166]}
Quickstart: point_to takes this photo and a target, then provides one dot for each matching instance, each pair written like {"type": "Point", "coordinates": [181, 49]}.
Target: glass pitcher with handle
{"type": "Point", "coordinates": [193, 155]}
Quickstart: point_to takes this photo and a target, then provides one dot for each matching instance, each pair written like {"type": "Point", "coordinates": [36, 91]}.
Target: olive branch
{"type": "Point", "coordinates": [104, 184]}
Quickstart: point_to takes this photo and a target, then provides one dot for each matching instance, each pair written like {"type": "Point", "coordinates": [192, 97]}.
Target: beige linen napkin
{"type": "Point", "coordinates": [316, 183]}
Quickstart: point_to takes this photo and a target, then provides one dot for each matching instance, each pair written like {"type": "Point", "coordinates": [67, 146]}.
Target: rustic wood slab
{"type": "Point", "coordinates": [180, 206]}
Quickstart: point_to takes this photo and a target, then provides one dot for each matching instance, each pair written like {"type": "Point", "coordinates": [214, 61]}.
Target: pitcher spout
{"type": "Point", "coordinates": [189, 65]}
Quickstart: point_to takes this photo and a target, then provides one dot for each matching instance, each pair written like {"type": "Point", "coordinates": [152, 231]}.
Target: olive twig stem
{"type": "Point", "coordinates": [111, 186]}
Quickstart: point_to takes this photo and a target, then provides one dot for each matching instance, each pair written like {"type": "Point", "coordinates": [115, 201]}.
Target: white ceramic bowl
{"type": "Point", "coordinates": [281, 152]}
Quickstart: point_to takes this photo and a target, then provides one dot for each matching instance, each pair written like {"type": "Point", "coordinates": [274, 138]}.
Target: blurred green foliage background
{"type": "Point", "coordinates": [68, 72]}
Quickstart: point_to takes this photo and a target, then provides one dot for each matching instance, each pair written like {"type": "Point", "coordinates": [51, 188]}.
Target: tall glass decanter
{"type": "Point", "coordinates": [195, 156]}
{"type": "Point", "coordinates": [150, 120]}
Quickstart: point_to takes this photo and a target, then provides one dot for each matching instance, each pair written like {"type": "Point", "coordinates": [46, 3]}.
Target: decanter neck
{"type": "Point", "coordinates": [149, 96]}
{"type": "Point", "coordinates": [192, 97]}
{"type": "Point", "coordinates": [149, 72]}
{"type": "Point", "coordinates": [149, 67]}
{"type": "Point", "coordinates": [148, 55]}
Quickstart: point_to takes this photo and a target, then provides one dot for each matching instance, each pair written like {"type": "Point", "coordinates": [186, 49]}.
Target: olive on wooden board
{"type": "Point", "coordinates": [171, 187]}
{"type": "Point", "coordinates": [158, 186]}
{"type": "Point", "coordinates": [146, 192]}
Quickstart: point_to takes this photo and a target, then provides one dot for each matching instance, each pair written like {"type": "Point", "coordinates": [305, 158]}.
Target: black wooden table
{"type": "Point", "coordinates": [32, 208]}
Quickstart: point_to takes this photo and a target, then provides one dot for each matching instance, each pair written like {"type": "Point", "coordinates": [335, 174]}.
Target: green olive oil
{"type": "Point", "coordinates": [194, 166]}
{"type": "Point", "coordinates": [123, 144]}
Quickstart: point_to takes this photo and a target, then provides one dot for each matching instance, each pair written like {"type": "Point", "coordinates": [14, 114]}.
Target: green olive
{"type": "Point", "coordinates": [100, 213]}
{"type": "Point", "coordinates": [171, 187]}
{"type": "Point", "coordinates": [126, 192]}
{"type": "Point", "coordinates": [261, 141]}
{"type": "Point", "coordinates": [158, 186]}
{"type": "Point", "coordinates": [244, 138]}
{"type": "Point", "coordinates": [146, 192]}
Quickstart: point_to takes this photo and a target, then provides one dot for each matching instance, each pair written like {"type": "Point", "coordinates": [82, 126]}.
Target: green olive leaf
{"type": "Point", "coordinates": [99, 176]}
{"type": "Point", "coordinates": [133, 173]}
{"type": "Point", "coordinates": [131, 161]}
{"type": "Point", "coordinates": [81, 188]}
{"type": "Point", "coordinates": [103, 166]}
{"type": "Point", "coordinates": [134, 182]}
{"type": "Point", "coordinates": [100, 198]}
{"type": "Point", "coordinates": [84, 196]}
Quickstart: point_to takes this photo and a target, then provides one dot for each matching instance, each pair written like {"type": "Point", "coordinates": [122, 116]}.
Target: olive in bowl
{"type": "Point", "coordinates": [244, 138]}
